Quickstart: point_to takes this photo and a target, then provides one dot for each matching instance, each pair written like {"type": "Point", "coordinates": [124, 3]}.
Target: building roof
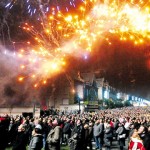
{"type": "Point", "coordinates": [88, 77]}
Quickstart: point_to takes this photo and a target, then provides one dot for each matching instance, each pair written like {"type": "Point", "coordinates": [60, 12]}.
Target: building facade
{"type": "Point", "coordinates": [91, 90]}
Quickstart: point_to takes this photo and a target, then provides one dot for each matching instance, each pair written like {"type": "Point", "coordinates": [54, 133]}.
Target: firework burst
{"type": "Point", "coordinates": [60, 34]}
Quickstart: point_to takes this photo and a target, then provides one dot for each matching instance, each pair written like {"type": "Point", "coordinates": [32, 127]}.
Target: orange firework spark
{"type": "Point", "coordinates": [20, 79]}
{"type": "Point", "coordinates": [60, 35]}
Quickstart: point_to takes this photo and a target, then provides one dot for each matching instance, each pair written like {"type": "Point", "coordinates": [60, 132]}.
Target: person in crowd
{"type": "Point", "coordinates": [115, 122]}
{"type": "Point", "coordinates": [36, 142]}
{"type": "Point", "coordinates": [146, 141]}
{"type": "Point", "coordinates": [127, 125]}
{"type": "Point", "coordinates": [90, 135]}
{"type": "Point", "coordinates": [144, 135]}
{"type": "Point", "coordinates": [136, 142]}
{"type": "Point", "coordinates": [86, 137]}
{"type": "Point", "coordinates": [54, 136]}
{"type": "Point", "coordinates": [10, 135]}
{"type": "Point", "coordinates": [14, 129]}
{"type": "Point", "coordinates": [131, 130]}
{"type": "Point", "coordinates": [45, 130]}
{"type": "Point", "coordinates": [61, 120]}
{"type": "Point", "coordinates": [29, 129]}
{"type": "Point", "coordinates": [3, 134]}
{"type": "Point", "coordinates": [108, 135]}
{"type": "Point", "coordinates": [77, 136]}
{"type": "Point", "coordinates": [11, 124]}
{"type": "Point", "coordinates": [147, 122]}
{"type": "Point", "coordinates": [98, 131]}
{"type": "Point", "coordinates": [21, 139]}
{"type": "Point", "coordinates": [121, 135]}
{"type": "Point", "coordinates": [139, 118]}
{"type": "Point", "coordinates": [66, 131]}
{"type": "Point", "coordinates": [142, 131]}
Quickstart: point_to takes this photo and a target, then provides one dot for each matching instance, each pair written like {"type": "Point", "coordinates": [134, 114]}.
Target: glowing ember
{"type": "Point", "coordinates": [20, 79]}
{"type": "Point", "coordinates": [60, 35]}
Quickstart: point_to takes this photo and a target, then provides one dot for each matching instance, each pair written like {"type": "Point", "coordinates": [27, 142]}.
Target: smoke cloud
{"type": "Point", "coordinates": [11, 91]}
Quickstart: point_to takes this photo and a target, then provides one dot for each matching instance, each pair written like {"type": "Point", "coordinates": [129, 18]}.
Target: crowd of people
{"type": "Point", "coordinates": [78, 131]}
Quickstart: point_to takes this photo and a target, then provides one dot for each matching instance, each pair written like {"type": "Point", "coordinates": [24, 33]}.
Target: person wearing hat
{"type": "Point", "coordinates": [53, 138]}
{"type": "Point", "coordinates": [36, 142]}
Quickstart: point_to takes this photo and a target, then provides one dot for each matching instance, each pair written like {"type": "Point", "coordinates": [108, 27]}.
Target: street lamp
{"type": "Point", "coordinates": [78, 100]}
{"type": "Point", "coordinates": [34, 107]}
{"type": "Point", "coordinates": [79, 94]}
{"type": "Point", "coordinates": [79, 104]}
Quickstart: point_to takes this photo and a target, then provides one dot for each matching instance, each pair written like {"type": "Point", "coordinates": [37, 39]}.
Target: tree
{"type": "Point", "coordinates": [127, 103]}
{"type": "Point", "coordinates": [109, 103]}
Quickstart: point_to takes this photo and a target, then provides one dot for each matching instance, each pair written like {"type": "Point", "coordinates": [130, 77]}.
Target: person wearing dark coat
{"type": "Point", "coordinates": [21, 140]}
{"type": "Point", "coordinates": [12, 133]}
{"type": "Point", "coordinates": [3, 135]}
{"type": "Point", "coordinates": [108, 135]}
{"type": "Point", "coordinates": [132, 128]}
{"type": "Point", "coordinates": [77, 137]}
{"type": "Point", "coordinates": [54, 136]}
{"type": "Point", "coordinates": [144, 134]}
{"type": "Point", "coordinates": [36, 142]}
{"type": "Point", "coordinates": [121, 135]}
{"type": "Point", "coordinates": [90, 135]}
{"type": "Point", "coordinates": [45, 131]}
{"type": "Point", "coordinates": [66, 131]}
{"type": "Point", "coordinates": [142, 131]}
{"type": "Point", "coordinates": [146, 141]}
{"type": "Point", "coordinates": [116, 122]}
{"type": "Point", "coordinates": [86, 137]}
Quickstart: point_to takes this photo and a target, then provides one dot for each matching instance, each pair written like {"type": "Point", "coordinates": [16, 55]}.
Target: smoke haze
{"type": "Point", "coordinates": [11, 91]}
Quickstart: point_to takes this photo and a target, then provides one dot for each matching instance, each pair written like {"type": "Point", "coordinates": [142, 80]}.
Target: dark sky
{"type": "Point", "coordinates": [124, 65]}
